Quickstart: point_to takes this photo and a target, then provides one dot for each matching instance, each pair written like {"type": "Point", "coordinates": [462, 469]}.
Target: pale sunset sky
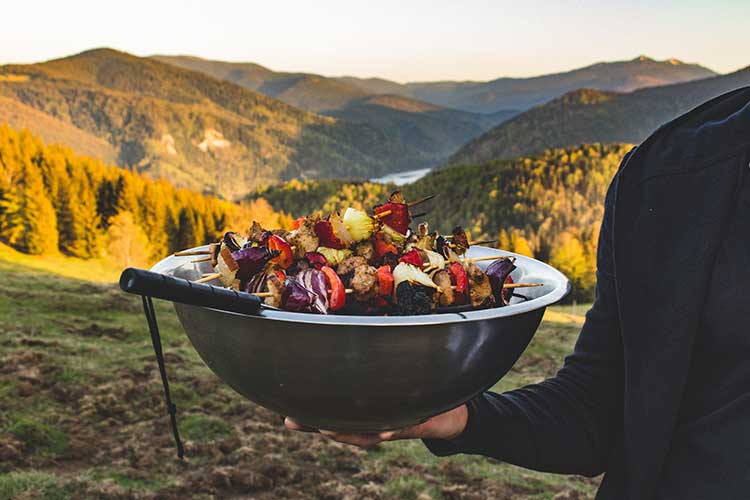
{"type": "Point", "coordinates": [399, 40]}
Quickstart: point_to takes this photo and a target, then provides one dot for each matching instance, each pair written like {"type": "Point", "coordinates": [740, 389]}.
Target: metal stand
{"type": "Point", "coordinates": [148, 309]}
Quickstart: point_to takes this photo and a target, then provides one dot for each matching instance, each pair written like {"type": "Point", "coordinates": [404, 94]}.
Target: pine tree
{"type": "Point", "coordinates": [37, 232]}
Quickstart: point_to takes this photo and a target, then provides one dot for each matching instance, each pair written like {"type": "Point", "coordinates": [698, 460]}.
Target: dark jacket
{"type": "Point", "coordinates": [614, 405]}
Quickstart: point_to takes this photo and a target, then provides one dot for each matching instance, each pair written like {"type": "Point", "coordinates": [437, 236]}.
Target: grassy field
{"type": "Point", "coordinates": [81, 411]}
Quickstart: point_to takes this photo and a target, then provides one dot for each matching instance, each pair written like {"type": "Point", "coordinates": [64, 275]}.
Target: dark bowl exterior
{"type": "Point", "coordinates": [357, 378]}
{"type": "Point", "coordinates": [366, 374]}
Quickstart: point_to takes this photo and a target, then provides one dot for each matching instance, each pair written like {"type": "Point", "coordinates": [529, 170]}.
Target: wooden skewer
{"type": "Point", "coordinates": [422, 200]}
{"type": "Point", "coordinates": [270, 294]}
{"type": "Point", "coordinates": [521, 285]}
{"type": "Point", "coordinates": [516, 285]}
{"type": "Point", "coordinates": [490, 257]}
{"type": "Point", "coordinates": [183, 253]}
{"type": "Point", "coordinates": [203, 259]}
{"type": "Point", "coordinates": [208, 277]}
{"type": "Point", "coordinates": [382, 214]}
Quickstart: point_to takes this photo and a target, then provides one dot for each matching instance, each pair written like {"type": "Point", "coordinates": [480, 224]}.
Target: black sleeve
{"type": "Point", "coordinates": [566, 424]}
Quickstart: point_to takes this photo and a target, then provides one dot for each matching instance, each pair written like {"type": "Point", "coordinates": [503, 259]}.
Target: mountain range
{"type": "Point", "coordinates": [320, 94]}
{"type": "Point", "coordinates": [230, 128]}
{"type": "Point", "coordinates": [196, 131]}
{"type": "Point", "coordinates": [589, 116]}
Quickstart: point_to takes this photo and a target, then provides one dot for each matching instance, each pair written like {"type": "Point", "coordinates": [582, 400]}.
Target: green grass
{"type": "Point", "coordinates": [39, 437]}
{"type": "Point", "coordinates": [80, 395]}
{"type": "Point", "coordinates": [203, 429]}
{"type": "Point", "coordinates": [37, 485]}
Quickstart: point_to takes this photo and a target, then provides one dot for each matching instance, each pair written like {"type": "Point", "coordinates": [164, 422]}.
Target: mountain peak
{"type": "Point", "coordinates": [674, 62]}
{"type": "Point", "coordinates": [643, 58]}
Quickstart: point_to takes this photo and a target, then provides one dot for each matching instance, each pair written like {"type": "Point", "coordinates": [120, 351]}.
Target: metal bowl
{"type": "Point", "coordinates": [363, 373]}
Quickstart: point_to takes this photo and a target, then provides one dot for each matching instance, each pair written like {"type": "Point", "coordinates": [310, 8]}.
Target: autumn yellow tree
{"type": "Point", "coordinates": [127, 244]}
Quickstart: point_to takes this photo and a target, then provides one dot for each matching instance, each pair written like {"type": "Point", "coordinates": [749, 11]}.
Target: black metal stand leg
{"type": "Point", "coordinates": [148, 309]}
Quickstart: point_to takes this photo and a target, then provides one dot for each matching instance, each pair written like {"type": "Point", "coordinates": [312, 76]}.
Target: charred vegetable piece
{"type": "Point", "coordinates": [408, 272]}
{"type": "Point", "coordinates": [316, 282]}
{"type": "Point", "coordinates": [412, 257]}
{"type": "Point", "coordinates": [480, 290]}
{"type": "Point", "coordinates": [278, 244]}
{"type": "Point", "coordinates": [233, 241]}
{"type": "Point", "coordinates": [252, 260]}
{"type": "Point", "coordinates": [398, 219]}
{"type": "Point", "coordinates": [326, 236]}
{"type": "Point", "coordinates": [460, 279]}
{"type": "Point", "coordinates": [337, 294]}
{"type": "Point", "coordinates": [497, 272]}
{"type": "Point", "coordinates": [385, 281]}
{"type": "Point", "coordinates": [397, 197]}
{"type": "Point", "coordinates": [297, 298]}
{"type": "Point", "coordinates": [508, 292]}
{"type": "Point", "coordinates": [316, 259]}
{"type": "Point", "coordinates": [359, 224]}
{"type": "Point", "coordinates": [442, 279]}
{"type": "Point", "coordinates": [334, 256]}
{"type": "Point", "coordinates": [256, 284]}
{"type": "Point", "coordinates": [227, 267]}
{"type": "Point", "coordinates": [257, 234]}
{"type": "Point", "coordinates": [425, 240]}
{"type": "Point", "coordinates": [441, 245]}
{"type": "Point", "coordinates": [460, 240]}
{"type": "Point", "coordinates": [340, 230]}
{"type": "Point", "coordinates": [413, 299]}
{"type": "Point", "coordinates": [365, 283]}
{"type": "Point", "coordinates": [434, 259]}
{"type": "Point", "coordinates": [276, 286]}
{"type": "Point", "coordinates": [382, 247]}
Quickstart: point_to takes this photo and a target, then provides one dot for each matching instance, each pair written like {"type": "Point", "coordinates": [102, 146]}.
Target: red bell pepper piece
{"type": "Point", "coordinates": [296, 223]}
{"type": "Point", "coordinates": [316, 259]}
{"type": "Point", "coordinates": [337, 292]}
{"type": "Point", "coordinates": [280, 274]}
{"type": "Point", "coordinates": [460, 279]}
{"type": "Point", "coordinates": [286, 256]}
{"type": "Point", "coordinates": [324, 232]}
{"type": "Point", "coordinates": [399, 217]}
{"type": "Point", "coordinates": [385, 281]}
{"type": "Point", "coordinates": [382, 248]}
{"type": "Point", "coordinates": [412, 257]}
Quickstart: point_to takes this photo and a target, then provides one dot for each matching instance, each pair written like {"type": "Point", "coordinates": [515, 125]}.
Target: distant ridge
{"type": "Point", "coordinates": [523, 93]}
{"type": "Point", "coordinates": [589, 116]}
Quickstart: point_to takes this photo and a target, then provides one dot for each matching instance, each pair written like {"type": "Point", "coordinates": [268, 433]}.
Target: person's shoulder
{"type": "Point", "coordinates": [715, 130]}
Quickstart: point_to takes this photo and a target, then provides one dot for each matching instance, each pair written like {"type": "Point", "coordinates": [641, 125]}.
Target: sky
{"type": "Point", "coordinates": [405, 40]}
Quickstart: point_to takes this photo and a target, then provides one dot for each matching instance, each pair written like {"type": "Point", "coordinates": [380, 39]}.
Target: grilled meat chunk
{"type": "Point", "coordinates": [365, 283]}
{"type": "Point", "coordinates": [349, 264]}
{"type": "Point", "coordinates": [276, 287]}
{"type": "Point", "coordinates": [480, 289]}
{"type": "Point", "coordinates": [442, 279]}
{"type": "Point", "coordinates": [304, 239]}
{"type": "Point", "coordinates": [366, 249]}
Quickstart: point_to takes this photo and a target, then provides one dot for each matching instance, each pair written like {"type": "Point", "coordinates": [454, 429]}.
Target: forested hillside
{"type": "Point", "coordinates": [549, 206]}
{"type": "Point", "coordinates": [588, 116]}
{"type": "Point", "coordinates": [433, 131]}
{"type": "Point", "coordinates": [53, 200]}
{"type": "Point", "coordinates": [196, 131]}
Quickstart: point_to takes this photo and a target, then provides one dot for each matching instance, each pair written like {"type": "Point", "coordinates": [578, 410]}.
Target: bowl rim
{"type": "Point", "coordinates": [561, 288]}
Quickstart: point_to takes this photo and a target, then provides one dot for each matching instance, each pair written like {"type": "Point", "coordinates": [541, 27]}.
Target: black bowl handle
{"type": "Point", "coordinates": [161, 286]}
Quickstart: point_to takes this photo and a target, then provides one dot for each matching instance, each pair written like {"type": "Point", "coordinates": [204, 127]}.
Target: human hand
{"type": "Point", "coordinates": [448, 425]}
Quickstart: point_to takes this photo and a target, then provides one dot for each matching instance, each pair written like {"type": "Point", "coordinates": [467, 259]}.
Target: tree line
{"type": "Point", "coordinates": [547, 206]}
{"type": "Point", "coordinates": [52, 200]}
